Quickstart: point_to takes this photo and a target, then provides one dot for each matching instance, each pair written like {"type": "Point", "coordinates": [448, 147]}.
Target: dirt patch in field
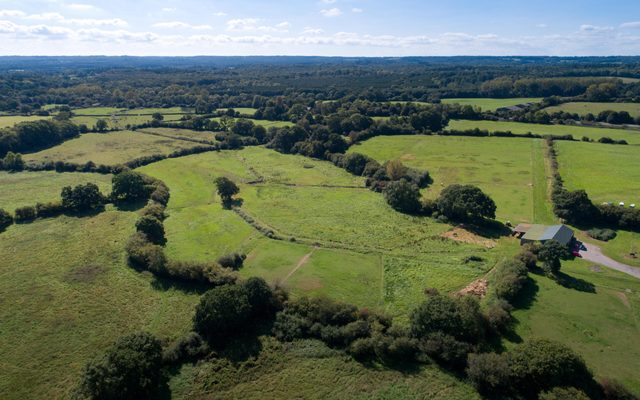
{"type": "Point", "coordinates": [464, 236]}
{"type": "Point", "coordinates": [310, 284]}
{"type": "Point", "coordinates": [476, 288]}
{"type": "Point", "coordinates": [85, 274]}
{"type": "Point", "coordinates": [407, 157]}
{"type": "Point", "coordinates": [623, 298]}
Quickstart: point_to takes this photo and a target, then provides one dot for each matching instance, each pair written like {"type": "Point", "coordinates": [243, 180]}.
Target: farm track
{"type": "Point", "coordinates": [300, 264]}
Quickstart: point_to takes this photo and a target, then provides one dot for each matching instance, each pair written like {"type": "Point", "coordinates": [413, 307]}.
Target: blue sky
{"type": "Point", "coordinates": [320, 27]}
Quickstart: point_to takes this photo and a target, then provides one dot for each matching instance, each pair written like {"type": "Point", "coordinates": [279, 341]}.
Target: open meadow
{"type": "Point", "coordinates": [584, 108]}
{"type": "Point", "coordinates": [109, 148]}
{"type": "Point", "coordinates": [28, 188]}
{"type": "Point", "coordinates": [631, 136]}
{"type": "Point", "coordinates": [67, 292]}
{"type": "Point", "coordinates": [263, 122]}
{"type": "Point", "coordinates": [601, 321]}
{"type": "Point", "coordinates": [181, 134]}
{"type": "Point", "coordinates": [511, 170]}
{"type": "Point", "coordinates": [492, 104]}
{"type": "Point", "coordinates": [7, 121]}
{"type": "Point", "coordinates": [326, 215]}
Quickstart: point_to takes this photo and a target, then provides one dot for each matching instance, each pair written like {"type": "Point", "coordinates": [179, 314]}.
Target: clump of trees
{"type": "Point", "coordinates": [130, 369]}
{"type": "Point", "coordinates": [403, 196]}
{"type": "Point", "coordinates": [36, 135]}
{"type": "Point", "coordinates": [466, 203]}
{"type": "Point", "coordinates": [6, 220]}
{"type": "Point", "coordinates": [12, 162]}
{"type": "Point", "coordinates": [82, 198]}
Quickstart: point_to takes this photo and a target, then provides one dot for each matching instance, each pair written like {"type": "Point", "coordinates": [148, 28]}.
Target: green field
{"type": "Point", "coordinates": [248, 111]}
{"type": "Point", "coordinates": [359, 238]}
{"type": "Point", "coordinates": [583, 108]}
{"type": "Point", "coordinates": [506, 168]}
{"type": "Point", "coordinates": [109, 148]}
{"type": "Point", "coordinates": [8, 121]}
{"type": "Point", "coordinates": [106, 111]}
{"type": "Point", "coordinates": [492, 104]}
{"type": "Point", "coordinates": [308, 369]}
{"type": "Point", "coordinates": [603, 326]}
{"type": "Point", "coordinates": [29, 188]}
{"type": "Point", "coordinates": [120, 121]}
{"type": "Point", "coordinates": [631, 136]}
{"type": "Point", "coordinates": [67, 294]}
{"type": "Point", "coordinates": [265, 123]}
{"type": "Point", "coordinates": [182, 134]}
{"type": "Point", "coordinates": [608, 173]}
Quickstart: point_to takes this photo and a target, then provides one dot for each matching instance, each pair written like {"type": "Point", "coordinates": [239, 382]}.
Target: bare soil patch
{"type": "Point", "coordinates": [464, 236]}
{"type": "Point", "coordinates": [476, 288]}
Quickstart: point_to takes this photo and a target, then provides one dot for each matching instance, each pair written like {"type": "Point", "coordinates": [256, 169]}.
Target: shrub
{"type": "Point", "coordinates": [12, 162]}
{"type": "Point", "coordinates": [446, 349]}
{"type": "Point", "coordinates": [130, 369]}
{"type": "Point", "coordinates": [508, 279]}
{"type": "Point", "coordinates": [614, 390]}
{"type": "Point", "coordinates": [563, 393]}
{"type": "Point", "coordinates": [45, 210]}
{"type": "Point", "coordinates": [24, 214]}
{"type": "Point", "coordinates": [465, 203]}
{"type": "Point", "coordinates": [155, 210]}
{"type": "Point", "coordinates": [261, 298]}
{"type": "Point", "coordinates": [208, 273]}
{"type": "Point", "coordinates": [5, 220]}
{"type": "Point", "coordinates": [233, 261]}
{"type": "Point", "coordinates": [82, 197]}
{"type": "Point", "coordinates": [222, 312]}
{"type": "Point", "coordinates": [602, 234]}
{"type": "Point", "coordinates": [146, 255]}
{"type": "Point", "coordinates": [403, 196]}
{"type": "Point", "coordinates": [498, 315]}
{"type": "Point", "coordinates": [550, 254]}
{"type": "Point", "coordinates": [540, 365]}
{"type": "Point", "coordinates": [160, 194]}
{"type": "Point", "coordinates": [190, 347]}
{"type": "Point", "coordinates": [489, 372]}
{"type": "Point", "coordinates": [459, 317]}
{"type": "Point", "coordinates": [128, 186]}
{"type": "Point", "coordinates": [152, 228]}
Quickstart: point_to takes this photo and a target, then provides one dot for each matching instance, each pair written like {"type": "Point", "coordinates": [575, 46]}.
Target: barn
{"type": "Point", "coordinates": [532, 233]}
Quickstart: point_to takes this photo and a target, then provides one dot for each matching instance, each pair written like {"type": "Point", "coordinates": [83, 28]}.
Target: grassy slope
{"type": "Point", "coordinates": [109, 148]}
{"type": "Point", "coordinates": [10, 120]}
{"type": "Point", "coordinates": [29, 188]}
{"type": "Point", "coordinates": [504, 167]}
{"type": "Point", "coordinates": [265, 123]}
{"type": "Point", "coordinates": [607, 173]}
{"type": "Point", "coordinates": [67, 293]}
{"type": "Point", "coordinates": [633, 137]}
{"type": "Point", "coordinates": [309, 370]}
{"type": "Point", "coordinates": [292, 201]}
{"type": "Point", "coordinates": [604, 327]}
{"type": "Point", "coordinates": [583, 108]}
{"type": "Point", "coordinates": [491, 104]}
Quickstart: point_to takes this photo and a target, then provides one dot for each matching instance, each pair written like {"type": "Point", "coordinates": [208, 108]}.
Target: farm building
{"type": "Point", "coordinates": [528, 233]}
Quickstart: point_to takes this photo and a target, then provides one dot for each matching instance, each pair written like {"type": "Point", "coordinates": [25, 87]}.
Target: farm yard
{"type": "Point", "coordinates": [583, 108]}
{"type": "Point", "coordinates": [631, 136]}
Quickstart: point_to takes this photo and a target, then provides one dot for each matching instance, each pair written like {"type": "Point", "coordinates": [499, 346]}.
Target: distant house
{"type": "Point", "coordinates": [531, 233]}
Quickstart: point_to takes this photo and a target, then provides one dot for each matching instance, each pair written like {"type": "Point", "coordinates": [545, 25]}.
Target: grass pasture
{"type": "Point", "coordinates": [264, 122]}
{"type": "Point", "coordinates": [181, 134]}
{"type": "Point", "coordinates": [302, 370]}
{"type": "Point", "coordinates": [247, 111]}
{"type": "Point", "coordinates": [29, 188]}
{"type": "Point", "coordinates": [584, 108]}
{"type": "Point", "coordinates": [120, 121]}
{"type": "Point", "coordinates": [109, 148]}
{"type": "Point", "coordinates": [7, 121]}
{"type": "Point", "coordinates": [631, 136]}
{"type": "Point", "coordinates": [67, 294]}
{"type": "Point", "coordinates": [508, 169]}
{"type": "Point", "coordinates": [603, 325]}
{"type": "Point", "coordinates": [491, 104]}
{"type": "Point", "coordinates": [353, 228]}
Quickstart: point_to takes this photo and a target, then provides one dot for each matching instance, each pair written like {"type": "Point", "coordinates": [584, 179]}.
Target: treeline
{"type": "Point", "coordinates": [36, 135]}
{"type": "Point", "coordinates": [576, 207]}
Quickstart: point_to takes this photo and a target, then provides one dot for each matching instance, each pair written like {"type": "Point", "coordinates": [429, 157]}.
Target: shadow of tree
{"type": "Point", "coordinates": [574, 283]}
{"type": "Point", "coordinates": [489, 229]}
{"type": "Point", "coordinates": [131, 205]}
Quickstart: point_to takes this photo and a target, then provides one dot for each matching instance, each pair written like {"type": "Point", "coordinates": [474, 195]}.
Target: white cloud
{"type": "Point", "coordinates": [541, 26]}
{"type": "Point", "coordinates": [328, 1]}
{"type": "Point", "coordinates": [331, 12]}
{"type": "Point", "coordinates": [81, 7]}
{"type": "Point", "coordinates": [12, 13]}
{"type": "Point", "coordinates": [50, 16]}
{"type": "Point", "coordinates": [595, 29]}
{"type": "Point", "coordinates": [254, 24]}
{"type": "Point", "coordinates": [220, 14]}
{"type": "Point", "coordinates": [168, 9]}
{"type": "Point", "coordinates": [357, 10]}
{"type": "Point", "coordinates": [180, 25]}
{"type": "Point", "coordinates": [312, 31]}
{"type": "Point", "coordinates": [634, 24]}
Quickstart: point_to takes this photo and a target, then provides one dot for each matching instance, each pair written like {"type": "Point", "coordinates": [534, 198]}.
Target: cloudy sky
{"type": "Point", "coordinates": [320, 27]}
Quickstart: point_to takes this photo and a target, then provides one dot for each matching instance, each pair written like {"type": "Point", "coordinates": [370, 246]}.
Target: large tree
{"type": "Point", "coordinates": [466, 203]}
{"type": "Point", "coordinates": [223, 311]}
{"type": "Point", "coordinates": [128, 186]}
{"type": "Point", "coordinates": [550, 254]}
{"type": "Point", "coordinates": [226, 189]}
{"type": "Point", "coordinates": [82, 197]}
{"type": "Point", "coordinates": [403, 196]}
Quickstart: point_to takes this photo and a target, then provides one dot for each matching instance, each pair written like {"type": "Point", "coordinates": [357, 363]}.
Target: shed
{"type": "Point", "coordinates": [542, 233]}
